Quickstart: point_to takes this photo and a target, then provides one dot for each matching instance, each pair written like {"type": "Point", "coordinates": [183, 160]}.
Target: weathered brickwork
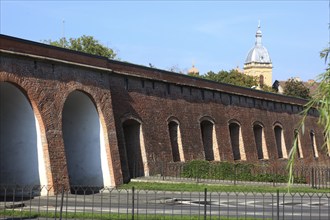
{"type": "Point", "coordinates": [151, 98]}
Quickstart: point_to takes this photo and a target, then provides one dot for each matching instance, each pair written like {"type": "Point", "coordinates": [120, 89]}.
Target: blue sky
{"type": "Point", "coordinates": [214, 35]}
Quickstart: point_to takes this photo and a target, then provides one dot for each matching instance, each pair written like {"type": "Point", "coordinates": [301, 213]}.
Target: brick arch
{"type": "Point", "coordinates": [230, 121]}
{"type": "Point", "coordinates": [130, 116]}
{"type": "Point", "coordinates": [313, 143]}
{"type": "Point", "coordinates": [105, 160]}
{"type": "Point", "coordinates": [173, 118]}
{"type": "Point", "coordinates": [236, 139]}
{"type": "Point", "coordinates": [44, 170]}
{"type": "Point", "coordinates": [77, 88]}
{"type": "Point", "coordinates": [260, 140]}
{"type": "Point", "coordinates": [280, 140]}
{"type": "Point", "coordinates": [209, 138]}
{"type": "Point", "coordinates": [277, 123]}
{"type": "Point", "coordinates": [100, 100]}
{"type": "Point", "coordinates": [300, 153]}
{"type": "Point", "coordinates": [258, 123]}
{"type": "Point", "coordinates": [134, 155]}
{"type": "Point", "coordinates": [175, 139]}
{"type": "Point", "coordinates": [207, 118]}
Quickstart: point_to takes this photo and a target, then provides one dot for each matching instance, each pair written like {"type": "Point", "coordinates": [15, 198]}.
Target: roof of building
{"type": "Point", "coordinates": [35, 50]}
{"type": "Point", "coordinates": [310, 84]}
{"type": "Point", "coordinates": [258, 54]}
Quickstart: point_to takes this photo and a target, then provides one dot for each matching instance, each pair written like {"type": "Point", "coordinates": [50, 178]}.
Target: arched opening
{"type": "Point", "coordinates": [207, 139]}
{"type": "Point", "coordinates": [133, 144]}
{"type": "Point", "coordinates": [297, 138]}
{"type": "Point", "coordinates": [260, 142]}
{"type": "Point", "coordinates": [280, 143]}
{"type": "Point", "coordinates": [175, 138]}
{"type": "Point", "coordinates": [21, 154]}
{"type": "Point", "coordinates": [313, 142]}
{"type": "Point", "coordinates": [234, 130]}
{"type": "Point", "coordinates": [84, 142]}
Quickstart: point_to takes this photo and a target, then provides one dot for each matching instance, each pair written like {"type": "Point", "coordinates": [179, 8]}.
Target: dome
{"type": "Point", "coordinates": [193, 70]}
{"type": "Point", "coordinates": [258, 53]}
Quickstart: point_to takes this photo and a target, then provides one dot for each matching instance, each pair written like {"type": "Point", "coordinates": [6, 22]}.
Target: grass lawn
{"type": "Point", "coordinates": [197, 187]}
{"type": "Point", "coordinates": [105, 216]}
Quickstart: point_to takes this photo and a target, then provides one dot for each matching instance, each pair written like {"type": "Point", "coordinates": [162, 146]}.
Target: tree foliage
{"type": "Point", "coordinates": [296, 88]}
{"type": "Point", "coordinates": [320, 101]}
{"type": "Point", "coordinates": [86, 44]}
{"type": "Point", "coordinates": [233, 77]}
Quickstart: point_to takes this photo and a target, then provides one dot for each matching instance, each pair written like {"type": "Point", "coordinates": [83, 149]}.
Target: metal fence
{"type": "Point", "coordinates": [109, 203]}
{"type": "Point", "coordinates": [314, 177]}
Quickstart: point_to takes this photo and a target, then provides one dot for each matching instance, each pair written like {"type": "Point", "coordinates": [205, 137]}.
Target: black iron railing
{"type": "Point", "coordinates": [108, 203]}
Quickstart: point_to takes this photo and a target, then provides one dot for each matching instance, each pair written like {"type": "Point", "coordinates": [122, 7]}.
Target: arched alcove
{"type": "Point", "coordinates": [260, 141]}
{"type": "Point", "coordinates": [236, 140]}
{"type": "Point", "coordinates": [280, 142]}
{"type": "Point", "coordinates": [313, 144]}
{"type": "Point", "coordinates": [21, 154]}
{"type": "Point", "coordinates": [299, 149]}
{"type": "Point", "coordinates": [176, 143]}
{"type": "Point", "coordinates": [207, 139]}
{"type": "Point", "coordinates": [133, 143]}
{"type": "Point", "coordinates": [84, 142]}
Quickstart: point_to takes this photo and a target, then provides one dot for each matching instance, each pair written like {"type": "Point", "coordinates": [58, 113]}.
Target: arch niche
{"type": "Point", "coordinates": [209, 139]}
{"type": "Point", "coordinates": [260, 141]}
{"type": "Point", "coordinates": [22, 159]}
{"type": "Point", "coordinates": [135, 154]}
{"type": "Point", "coordinates": [84, 142]}
{"type": "Point", "coordinates": [280, 141]}
{"type": "Point", "coordinates": [236, 140]}
{"type": "Point", "coordinates": [175, 139]}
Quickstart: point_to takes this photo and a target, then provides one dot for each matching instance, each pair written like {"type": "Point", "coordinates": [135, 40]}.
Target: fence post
{"type": "Point", "coordinates": [133, 198]}
{"type": "Point", "coordinates": [205, 202]}
{"type": "Point", "coordinates": [319, 179]}
{"type": "Point", "coordinates": [61, 207]}
{"type": "Point", "coordinates": [313, 184]}
{"type": "Point", "coordinates": [162, 171]}
{"type": "Point", "coordinates": [278, 204]}
{"type": "Point", "coordinates": [235, 175]}
{"type": "Point", "coordinates": [55, 205]}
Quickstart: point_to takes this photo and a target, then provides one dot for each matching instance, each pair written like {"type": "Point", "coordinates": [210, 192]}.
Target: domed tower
{"type": "Point", "coordinates": [258, 62]}
{"type": "Point", "coordinates": [193, 71]}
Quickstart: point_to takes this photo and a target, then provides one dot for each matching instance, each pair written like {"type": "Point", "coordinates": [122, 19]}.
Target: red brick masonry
{"type": "Point", "coordinates": [122, 91]}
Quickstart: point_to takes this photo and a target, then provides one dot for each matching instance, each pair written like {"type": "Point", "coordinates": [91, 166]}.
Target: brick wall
{"type": "Point", "coordinates": [151, 97]}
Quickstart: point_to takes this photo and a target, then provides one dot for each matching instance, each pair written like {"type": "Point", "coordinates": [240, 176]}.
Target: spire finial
{"type": "Point", "coordinates": [258, 35]}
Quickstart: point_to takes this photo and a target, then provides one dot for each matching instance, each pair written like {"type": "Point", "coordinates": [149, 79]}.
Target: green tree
{"type": "Point", "coordinates": [296, 88]}
{"type": "Point", "coordinates": [86, 44]}
{"type": "Point", "coordinates": [232, 77]}
{"type": "Point", "coordinates": [320, 101]}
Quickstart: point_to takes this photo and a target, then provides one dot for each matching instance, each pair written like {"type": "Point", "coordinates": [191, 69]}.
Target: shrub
{"type": "Point", "coordinates": [231, 171]}
{"type": "Point", "coordinates": [196, 169]}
